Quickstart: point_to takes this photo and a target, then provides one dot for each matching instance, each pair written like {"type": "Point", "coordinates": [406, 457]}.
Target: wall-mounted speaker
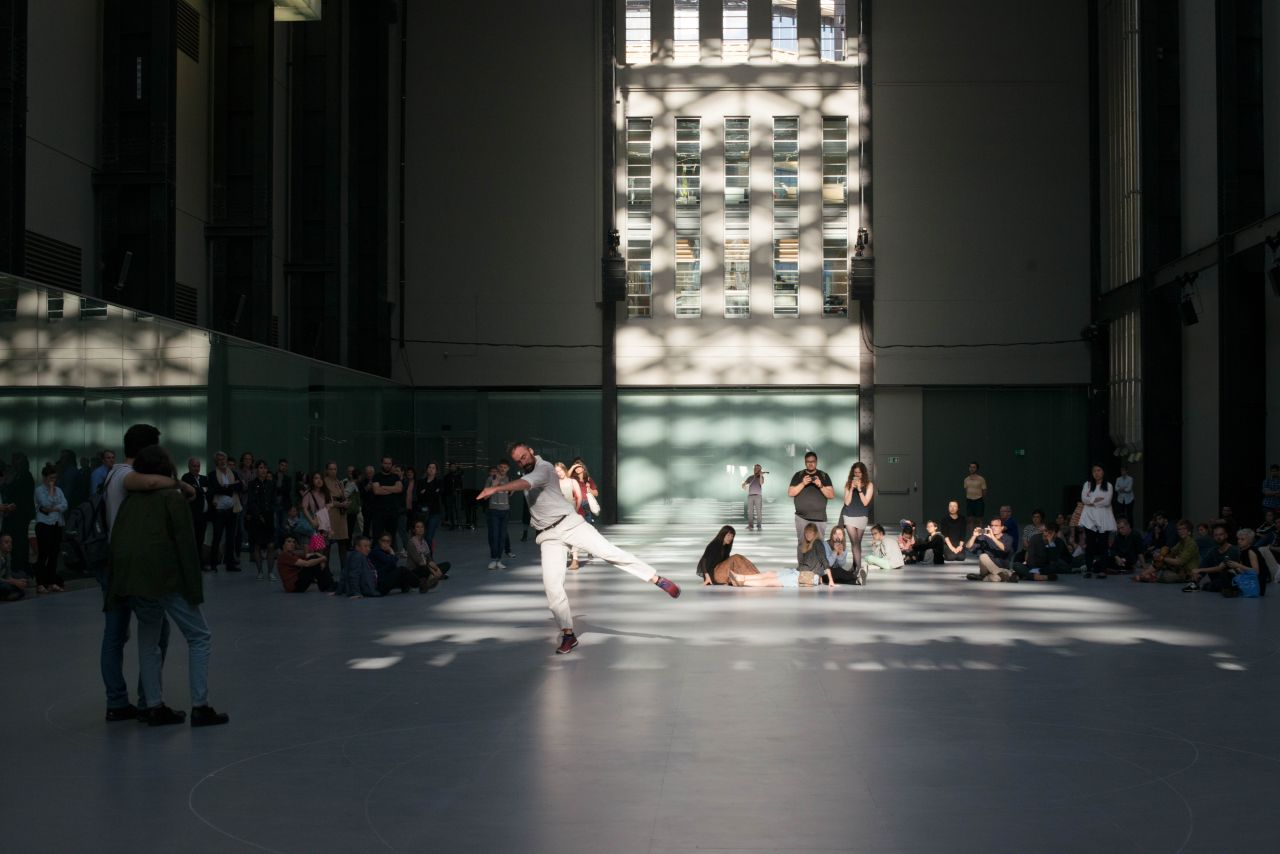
{"type": "Point", "coordinates": [1187, 311]}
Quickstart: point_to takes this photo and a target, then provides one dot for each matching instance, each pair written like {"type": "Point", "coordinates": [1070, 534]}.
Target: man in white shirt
{"type": "Point", "coordinates": [558, 526]}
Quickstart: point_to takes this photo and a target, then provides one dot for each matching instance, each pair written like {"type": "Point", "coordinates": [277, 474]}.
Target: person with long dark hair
{"type": "Point", "coordinates": [859, 492]}
{"type": "Point", "coordinates": [718, 561]}
{"type": "Point", "coordinates": [1096, 518]}
{"type": "Point", "coordinates": [431, 502]}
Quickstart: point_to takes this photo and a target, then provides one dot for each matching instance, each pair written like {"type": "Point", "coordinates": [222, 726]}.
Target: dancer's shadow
{"type": "Point", "coordinates": [584, 627]}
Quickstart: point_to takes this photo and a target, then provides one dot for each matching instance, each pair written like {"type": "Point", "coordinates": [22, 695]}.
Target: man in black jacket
{"type": "Point", "coordinates": [199, 504]}
{"type": "Point", "coordinates": [1047, 555]}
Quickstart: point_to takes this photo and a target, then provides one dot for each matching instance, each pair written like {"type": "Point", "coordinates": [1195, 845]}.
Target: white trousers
{"type": "Point", "coordinates": [575, 532]}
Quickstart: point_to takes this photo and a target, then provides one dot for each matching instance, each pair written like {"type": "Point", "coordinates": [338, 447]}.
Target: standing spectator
{"type": "Point", "coordinates": [1096, 519]}
{"type": "Point", "coordinates": [6, 506]}
{"type": "Point", "coordinates": [499, 509]}
{"type": "Point", "coordinates": [260, 520]}
{"type": "Point", "coordinates": [338, 507]}
{"type": "Point", "coordinates": [99, 476]}
{"type": "Point", "coordinates": [504, 469]}
{"type": "Point", "coordinates": [351, 489]}
{"type": "Point", "coordinates": [298, 570]}
{"type": "Point", "coordinates": [885, 553]}
{"type": "Point", "coordinates": [1123, 504]}
{"type": "Point", "coordinates": [859, 492]}
{"type": "Point", "coordinates": [406, 509]}
{"type": "Point", "coordinates": [155, 571]}
{"type": "Point", "coordinates": [199, 505]}
{"type": "Point", "coordinates": [975, 494]}
{"type": "Point", "coordinates": [590, 494]}
{"type": "Point", "coordinates": [246, 474]}
{"type": "Point", "coordinates": [811, 489]}
{"type": "Point", "coordinates": [453, 496]}
{"type": "Point", "coordinates": [69, 478]}
{"type": "Point", "coordinates": [1271, 490]}
{"type": "Point", "coordinates": [316, 506]}
{"type": "Point", "coordinates": [754, 485]}
{"type": "Point", "coordinates": [20, 491]}
{"type": "Point", "coordinates": [431, 501]}
{"type": "Point", "coordinates": [284, 492]}
{"type": "Point", "coordinates": [51, 507]}
{"type": "Point", "coordinates": [386, 492]}
{"type": "Point", "coordinates": [953, 533]}
{"type": "Point", "coordinates": [934, 542]}
{"type": "Point", "coordinates": [226, 488]}
{"type": "Point", "coordinates": [368, 501]}
{"type": "Point", "coordinates": [994, 550]}
{"type": "Point", "coordinates": [13, 586]}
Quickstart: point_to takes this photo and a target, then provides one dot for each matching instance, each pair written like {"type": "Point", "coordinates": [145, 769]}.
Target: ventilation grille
{"type": "Point", "coordinates": [273, 336]}
{"type": "Point", "coordinates": [52, 262]}
{"type": "Point", "coordinates": [185, 304]}
{"type": "Point", "coordinates": [188, 30]}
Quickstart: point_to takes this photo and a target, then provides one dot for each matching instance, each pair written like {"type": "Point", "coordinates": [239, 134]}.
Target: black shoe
{"type": "Point", "coordinates": [127, 712]}
{"type": "Point", "coordinates": [161, 715]}
{"type": "Point", "coordinates": [206, 716]}
{"type": "Point", "coordinates": [444, 568]}
{"type": "Point", "coordinates": [973, 576]}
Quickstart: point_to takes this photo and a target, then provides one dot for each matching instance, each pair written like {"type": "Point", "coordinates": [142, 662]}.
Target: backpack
{"type": "Point", "coordinates": [86, 540]}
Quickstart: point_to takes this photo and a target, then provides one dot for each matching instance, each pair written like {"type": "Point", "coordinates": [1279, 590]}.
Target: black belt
{"type": "Point", "coordinates": [539, 531]}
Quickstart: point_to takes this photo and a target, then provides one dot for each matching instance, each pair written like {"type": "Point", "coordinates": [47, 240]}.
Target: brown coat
{"type": "Point", "coordinates": [737, 564]}
{"type": "Point", "coordinates": [337, 509]}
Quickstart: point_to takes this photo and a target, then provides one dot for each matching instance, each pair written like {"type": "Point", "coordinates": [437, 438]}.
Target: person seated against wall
{"type": "Point", "coordinates": [718, 559]}
{"type": "Point", "coordinates": [1030, 531]}
{"type": "Point", "coordinates": [933, 541]}
{"type": "Point", "coordinates": [884, 552]}
{"type": "Point", "coordinates": [811, 571]}
{"type": "Point", "coordinates": [1174, 564]}
{"type": "Point", "coordinates": [1214, 572]}
{"type": "Point", "coordinates": [906, 536]}
{"type": "Point", "coordinates": [993, 548]}
{"type": "Point", "coordinates": [953, 533]}
{"type": "Point", "coordinates": [1011, 527]}
{"type": "Point", "coordinates": [418, 552]}
{"type": "Point", "coordinates": [1045, 558]}
{"type": "Point", "coordinates": [390, 574]}
{"type": "Point", "coordinates": [1123, 555]}
{"type": "Point", "coordinates": [298, 570]}
{"type": "Point", "coordinates": [13, 584]}
{"type": "Point", "coordinates": [358, 577]}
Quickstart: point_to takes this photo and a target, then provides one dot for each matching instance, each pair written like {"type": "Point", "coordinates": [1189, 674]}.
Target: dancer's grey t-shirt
{"type": "Point", "coordinates": [547, 504]}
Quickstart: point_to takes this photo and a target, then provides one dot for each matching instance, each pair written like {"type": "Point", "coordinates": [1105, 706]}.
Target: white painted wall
{"type": "Point", "coordinates": [63, 59]}
{"type": "Point", "coordinates": [1199, 124]}
{"type": "Point", "coordinates": [1200, 432]}
{"type": "Point", "coordinates": [503, 208]}
{"type": "Point", "coordinates": [980, 180]}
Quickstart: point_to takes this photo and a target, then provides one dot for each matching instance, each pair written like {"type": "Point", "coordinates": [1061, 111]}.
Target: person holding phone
{"type": "Point", "coordinates": [811, 489]}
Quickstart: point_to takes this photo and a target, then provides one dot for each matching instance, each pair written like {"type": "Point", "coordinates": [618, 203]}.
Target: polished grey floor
{"type": "Point", "coordinates": [920, 713]}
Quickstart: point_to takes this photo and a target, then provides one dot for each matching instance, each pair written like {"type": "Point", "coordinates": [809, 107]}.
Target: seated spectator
{"type": "Point", "coordinates": [1156, 536]}
{"type": "Point", "coordinates": [952, 527]}
{"type": "Point", "coordinates": [1265, 536]}
{"type": "Point", "coordinates": [13, 585]}
{"type": "Point", "coordinates": [298, 570]}
{"type": "Point", "coordinates": [718, 561]}
{"type": "Point", "coordinates": [1011, 527]}
{"type": "Point", "coordinates": [933, 542]}
{"type": "Point", "coordinates": [812, 569]}
{"type": "Point", "coordinates": [993, 548]}
{"type": "Point", "coordinates": [906, 536]}
{"type": "Point", "coordinates": [1046, 556]}
{"type": "Point", "coordinates": [1174, 564]}
{"type": "Point", "coordinates": [1214, 573]}
{"type": "Point", "coordinates": [1032, 529]}
{"type": "Point", "coordinates": [418, 551]}
{"type": "Point", "coordinates": [1204, 541]}
{"type": "Point", "coordinates": [1123, 555]}
{"type": "Point", "coordinates": [884, 552]}
{"type": "Point", "coordinates": [295, 525]}
{"type": "Point", "coordinates": [390, 574]}
{"type": "Point", "coordinates": [840, 559]}
{"type": "Point", "coordinates": [358, 578]}
{"type": "Point", "coordinates": [1250, 560]}
{"type": "Point", "coordinates": [1227, 517]}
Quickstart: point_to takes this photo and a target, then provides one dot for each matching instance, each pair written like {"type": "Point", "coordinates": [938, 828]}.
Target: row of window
{"type": "Point", "coordinates": [735, 44]}
{"type": "Point", "coordinates": [737, 217]}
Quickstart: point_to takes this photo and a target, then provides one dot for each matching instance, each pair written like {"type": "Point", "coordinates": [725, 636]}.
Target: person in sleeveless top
{"type": "Point", "coordinates": [859, 492]}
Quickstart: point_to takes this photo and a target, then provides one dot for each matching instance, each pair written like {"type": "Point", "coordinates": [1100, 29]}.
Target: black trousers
{"type": "Point", "coordinates": [320, 576]}
{"type": "Point", "coordinates": [401, 577]}
{"type": "Point", "coordinates": [381, 523]}
{"type": "Point", "coordinates": [935, 545]}
{"type": "Point", "coordinates": [200, 521]}
{"type": "Point", "coordinates": [845, 576]}
{"type": "Point", "coordinates": [224, 533]}
{"type": "Point", "coordinates": [49, 542]}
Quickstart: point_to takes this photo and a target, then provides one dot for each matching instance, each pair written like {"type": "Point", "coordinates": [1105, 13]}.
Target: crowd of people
{"type": "Point", "coordinates": [1096, 539]}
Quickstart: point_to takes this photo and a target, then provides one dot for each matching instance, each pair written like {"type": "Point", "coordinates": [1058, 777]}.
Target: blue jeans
{"type": "Point", "coordinates": [497, 531]}
{"type": "Point", "coordinates": [115, 634]}
{"type": "Point", "coordinates": [151, 619]}
{"type": "Point", "coordinates": [433, 525]}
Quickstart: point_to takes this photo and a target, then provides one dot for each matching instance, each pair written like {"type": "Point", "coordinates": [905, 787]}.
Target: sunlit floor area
{"type": "Point", "coordinates": [919, 713]}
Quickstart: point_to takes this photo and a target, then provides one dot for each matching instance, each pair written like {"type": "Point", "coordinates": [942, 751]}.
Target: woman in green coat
{"type": "Point", "coordinates": [155, 570]}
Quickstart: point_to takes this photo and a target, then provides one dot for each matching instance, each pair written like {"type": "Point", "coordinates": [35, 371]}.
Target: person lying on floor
{"type": "Point", "coordinates": [813, 568]}
{"type": "Point", "coordinates": [717, 561]}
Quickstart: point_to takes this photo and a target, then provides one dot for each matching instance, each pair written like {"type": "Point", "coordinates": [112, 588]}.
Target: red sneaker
{"type": "Point", "coordinates": [567, 643]}
{"type": "Point", "coordinates": [673, 589]}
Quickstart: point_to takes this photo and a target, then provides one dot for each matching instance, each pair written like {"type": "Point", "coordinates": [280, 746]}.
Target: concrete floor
{"type": "Point", "coordinates": [920, 713]}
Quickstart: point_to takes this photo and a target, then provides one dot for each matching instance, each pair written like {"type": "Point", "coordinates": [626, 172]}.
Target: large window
{"type": "Point", "coordinates": [639, 217]}
{"type": "Point", "coordinates": [835, 216]}
{"type": "Point", "coordinates": [833, 24]}
{"type": "Point", "coordinates": [638, 46]}
{"type": "Point", "coordinates": [737, 217]}
{"type": "Point", "coordinates": [688, 218]}
{"type": "Point", "coordinates": [786, 216]}
{"type": "Point", "coordinates": [736, 44]}
{"type": "Point", "coordinates": [786, 36]}
{"type": "Point", "coordinates": [686, 31]}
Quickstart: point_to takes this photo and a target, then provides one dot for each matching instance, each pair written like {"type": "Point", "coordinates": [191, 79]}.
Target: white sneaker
{"type": "Point", "coordinates": [493, 564]}
{"type": "Point", "coordinates": [500, 565]}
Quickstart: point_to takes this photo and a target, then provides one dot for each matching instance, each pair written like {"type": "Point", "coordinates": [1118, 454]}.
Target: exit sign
{"type": "Point", "coordinates": [893, 460]}
{"type": "Point", "coordinates": [1019, 452]}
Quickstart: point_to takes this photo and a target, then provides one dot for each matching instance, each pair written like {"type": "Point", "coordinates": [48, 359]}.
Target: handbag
{"type": "Point", "coordinates": [1247, 584]}
{"type": "Point", "coordinates": [593, 504]}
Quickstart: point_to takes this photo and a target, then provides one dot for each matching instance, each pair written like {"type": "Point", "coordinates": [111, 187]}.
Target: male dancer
{"type": "Point", "coordinates": [557, 525]}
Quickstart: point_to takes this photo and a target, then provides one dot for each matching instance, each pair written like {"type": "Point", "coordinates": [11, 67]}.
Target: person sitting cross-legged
{"type": "Point", "coordinates": [952, 529]}
{"type": "Point", "coordinates": [418, 552]}
{"type": "Point", "coordinates": [1214, 572]}
{"type": "Point", "coordinates": [1123, 555]}
{"type": "Point", "coordinates": [885, 553]}
{"type": "Point", "coordinates": [13, 586]}
{"type": "Point", "coordinates": [298, 570]}
{"type": "Point", "coordinates": [1174, 564]}
{"type": "Point", "coordinates": [358, 578]}
{"type": "Point", "coordinates": [392, 575]}
{"type": "Point", "coordinates": [1046, 556]}
{"type": "Point", "coordinates": [994, 549]}
{"type": "Point", "coordinates": [933, 542]}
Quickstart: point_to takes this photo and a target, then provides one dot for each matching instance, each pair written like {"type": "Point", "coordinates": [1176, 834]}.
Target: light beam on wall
{"type": "Point", "coordinates": [297, 10]}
